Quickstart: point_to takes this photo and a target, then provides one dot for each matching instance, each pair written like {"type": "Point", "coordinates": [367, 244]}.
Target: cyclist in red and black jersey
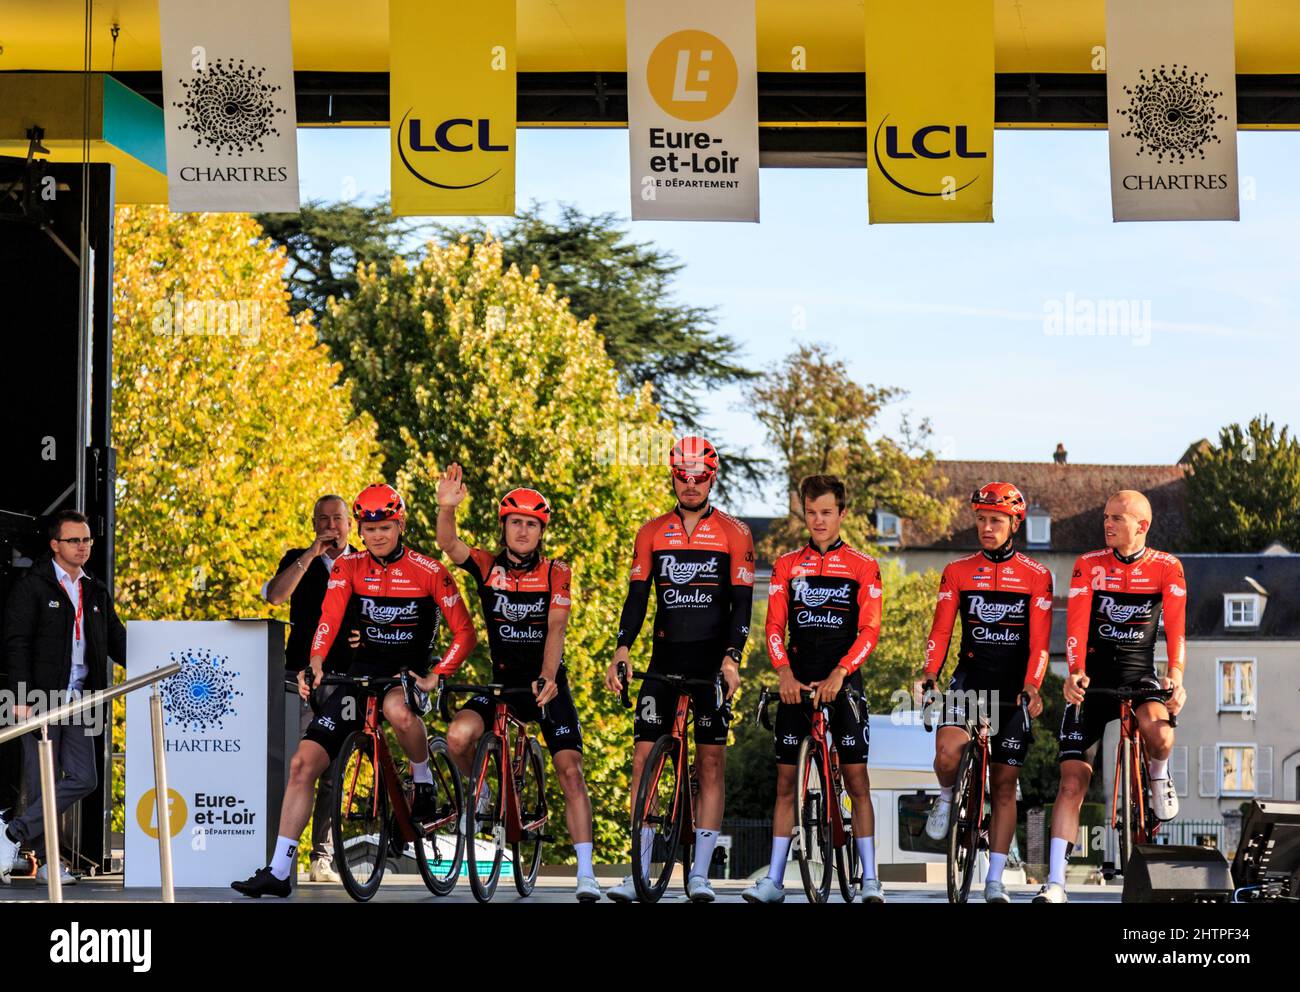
{"type": "Point", "coordinates": [525, 599]}
{"type": "Point", "coordinates": [1004, 600]}
{"type": "Point", "coordinates": [700, 562]}
{"type": "Point", "coordinates": [830, 597]}
{"type": "Point", "coordinates": [1118, 596]}
{"type": "Point", "coordinates": [399, 594]}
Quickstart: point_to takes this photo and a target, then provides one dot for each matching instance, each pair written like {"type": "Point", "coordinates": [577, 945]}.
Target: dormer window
{"type": "Point", "coordinates": [1039, 524]}
{"type": "Point", "coordinates": [889, 528]}
{"type": "Point", "coordinates": [1242, 610]}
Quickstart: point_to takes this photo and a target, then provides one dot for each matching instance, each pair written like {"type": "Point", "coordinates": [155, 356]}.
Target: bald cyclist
{"type": "Point", "coordinates": [1117, 597]}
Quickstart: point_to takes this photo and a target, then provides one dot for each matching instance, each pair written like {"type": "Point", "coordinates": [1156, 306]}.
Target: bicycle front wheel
{"type": "Point", "coordinates": [485, 838]}
{"type": "Point", "coordinates": [813, 799]}
{"type": "Point", "coordinates": [530, 785]}
{"type": "Point", "coordinates": [361, 820]}
{"type": "Point", "coordinates": [657, 817]}
{"type": "Point", "coordinates": [964, 825]}
{"type": "Point", "coordinates": [440, 842]}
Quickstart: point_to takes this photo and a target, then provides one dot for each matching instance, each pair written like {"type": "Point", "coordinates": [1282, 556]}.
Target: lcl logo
{"type": "Point", "coordinates": [925, 143]}
{"type": "Point", "coordinates": [455, 135]}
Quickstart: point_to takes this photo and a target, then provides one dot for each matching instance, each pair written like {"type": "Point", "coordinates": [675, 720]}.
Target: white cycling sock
{"type": "Point", "coordinates": [420, 772]}
{"type": "Point", "coordinates": [867, 855]}
{"type": "Point", "coordinates": [1158, 769]}
{"type": "Point", "coordinates": [780, 852]}
{"type": "Point", "coordinates": [704, 843]}
{"type": "Point", "coordinates": [1056, 866]}
{"type": "Point", "coordinates": [583, 850]}
{"type": "Point", "coordinates": [286, 848]}
{"type": "Point", "coordinates": [945, 794]}
{"type": "Point", "coordinates": [996, 863]}
{"type": "Point", "coordinates": [647, 847]}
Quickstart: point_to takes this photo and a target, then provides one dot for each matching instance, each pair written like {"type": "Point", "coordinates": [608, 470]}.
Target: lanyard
{"type": "Point", "coordinates": [76, 623]}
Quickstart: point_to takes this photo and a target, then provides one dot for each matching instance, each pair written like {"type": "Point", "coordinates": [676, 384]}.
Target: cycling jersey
{"type": "Point", "coordinates": [397, 602]}
{"type": "Point", "coordinates": [516, 608]}
{"type": "Point", "coordinates": [1114, 613]}
{"type": "Point", "coordinates": [1005, 602]}
{"type": "Point", "coordinates": [831, 602]}
{"type": "Point", "coordinates": [704, 581]}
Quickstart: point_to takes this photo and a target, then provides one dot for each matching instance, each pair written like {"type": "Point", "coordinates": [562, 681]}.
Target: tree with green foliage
{"type": "Point", "coordinates": [1244, 493]}
{"type": "Point", "coordinates": [820, 421]}
{"type": "Point", "coordinates": [464, 359]}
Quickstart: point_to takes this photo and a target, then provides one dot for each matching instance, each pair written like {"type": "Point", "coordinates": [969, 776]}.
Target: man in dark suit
{"type": "Point", "coordinates": [60, 631]}
{"type": "Point", "coordinates": [301, 579]}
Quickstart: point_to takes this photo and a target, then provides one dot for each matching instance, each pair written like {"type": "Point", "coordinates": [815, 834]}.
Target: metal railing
{"type": "Point", "coordinates": [46, 754]}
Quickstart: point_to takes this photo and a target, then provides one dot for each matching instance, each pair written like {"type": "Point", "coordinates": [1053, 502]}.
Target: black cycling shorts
{"type": "Point", "coordinates": [560, 728]}
{"type": "Point", "coordinates": [1010, 738]}
{"type": "Point", "coordinates": [343, 712]}
{"type": "Point", "coordinates": [852, 736]}
{"type": "Point", "coordinates": [656, 704]}
{"type": "Point", "coordinates": [1080, 735]}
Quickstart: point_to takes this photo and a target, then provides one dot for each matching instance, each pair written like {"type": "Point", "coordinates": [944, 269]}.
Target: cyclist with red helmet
{"type": "Point", "coordinates": [400, 593]}
{"type": "Point", "coordinates": [700, 561]}
{"type": "Point", "coordinates": [1004, 599]}
{"type": "Point", "coordinates": [526, 600]}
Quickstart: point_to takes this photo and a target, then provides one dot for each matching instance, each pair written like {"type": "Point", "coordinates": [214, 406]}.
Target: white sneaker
{"type": "Point", "coordinates": [1164, 799]}
{"type": "Point", "coordinates": [588, 889]}
{"type": "Point", "coordinates": [764, 890]}
{"type": "Point", "coordinates": [322, 870]}
{"type": "Point", "coordinates": [482, 808]}
{"type": "Point", "coordinates": [8, 851]}
{"type": "Point", "coordinates": [936, 824]}
{"type": "Point", "coordinates": [1051, 892]}
{"type": "Point", "coordinates": [624, 891]}
{"type": "Point", "coordinates": [995, 892]}
{"type": "Point", "coordinates": [698, 889]}
{"type": "Point", "coordinates": [65, 876]}
{"type": "Point", "coordinates": [872, 891]}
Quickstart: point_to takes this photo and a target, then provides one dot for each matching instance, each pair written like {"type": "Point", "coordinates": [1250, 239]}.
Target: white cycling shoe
{"type": "Point", "coordinates": [624, 891]}
{"type": "Point", "coordinates": [995, 892]}
{"type": "Point", "coordinates": [1164, 799]}
{"type": "Point", "coordinates": [698, 889]}
{"type": "Point", "coordinates": [8, 852]}
{"type": "Point", "coordinates": [764, 891]}
{"type": "Point", "coordinates": [588, 889]}
{"type": "Point", "coordinates": [936, 824]}
{"type": "Point", "coordinates": [872, 891]}
{"type": "Point", "coordinates": [1051, 892]}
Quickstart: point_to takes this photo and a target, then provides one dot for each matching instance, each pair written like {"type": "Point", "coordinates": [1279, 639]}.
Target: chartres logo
{"type": "Point", "coordinates": [681, 573]}
{"type": "Point", "coordinates": [692, 75]}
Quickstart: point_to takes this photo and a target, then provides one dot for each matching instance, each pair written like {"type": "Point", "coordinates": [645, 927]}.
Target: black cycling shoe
{"type": "Point", "coordinates": [425, 804]}
{"type": "Point", "coordinates": [263, 883]}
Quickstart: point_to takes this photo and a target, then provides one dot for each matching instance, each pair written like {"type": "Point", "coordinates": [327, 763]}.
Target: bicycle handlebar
{"type": "Point", "coordinates": [677, 681]}
{"type": "Point", "coordinates": [767, 696]}
{"type": "Point", "coordinates": [1131, 693]}
{"type": "Point", "coordinates": [494, 689]}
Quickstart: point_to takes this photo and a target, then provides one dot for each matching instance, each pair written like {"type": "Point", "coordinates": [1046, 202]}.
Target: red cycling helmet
{"type": "Point", "coordinates": [378, 502]}
{"type": "Point", "coordinates": [693, 457]}
{"type": "Point", "coordinates": [526, 503]}
{"type": "Point", "coordinates": [1001, 497]}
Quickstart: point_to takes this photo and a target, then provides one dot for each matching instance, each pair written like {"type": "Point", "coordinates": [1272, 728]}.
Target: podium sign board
{"type": "Point", "coordinates": [223, 723]}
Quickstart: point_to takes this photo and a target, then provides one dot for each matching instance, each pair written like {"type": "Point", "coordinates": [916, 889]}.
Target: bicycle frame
{"type": "Point", "coordinates": [681, 721]}
{"type": "Point", "coordinates": [1130, 753]}
{"type": "Point", "coordinates": [503, 721]}
{"type": "Point", "coordinates": [831, 760]}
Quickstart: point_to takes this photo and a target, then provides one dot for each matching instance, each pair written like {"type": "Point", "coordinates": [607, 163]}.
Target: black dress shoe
{"type": "Point", "coordinates": [425, 805]}
{"type": "Point", "coordinates": [263, 883]}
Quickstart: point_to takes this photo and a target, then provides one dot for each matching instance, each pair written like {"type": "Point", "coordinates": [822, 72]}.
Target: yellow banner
{"type": "Point", "coordinates": [451, 74]}
{"type": "Point", "coordinates": [929, 110]}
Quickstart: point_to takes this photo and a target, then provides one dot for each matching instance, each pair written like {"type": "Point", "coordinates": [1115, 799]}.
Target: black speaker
{"type": "Point", "coordinates": [1164, 873]}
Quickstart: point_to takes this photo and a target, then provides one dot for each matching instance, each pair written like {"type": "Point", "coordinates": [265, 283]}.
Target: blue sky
{"type": "Point", "coordinates": [954, 313]}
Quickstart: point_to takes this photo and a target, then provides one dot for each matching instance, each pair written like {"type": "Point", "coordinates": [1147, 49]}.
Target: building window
{"type": "Point", "coordinates": [1236, 769]}
{"type": "Point", "coordinates": [889, 528]}
{"type": "Point", "coordinates": [1241, 611]}
{"type": "Point", "coordinates": [1236, 685]}
{"type": "Point", "coordinates": [1039, 523]}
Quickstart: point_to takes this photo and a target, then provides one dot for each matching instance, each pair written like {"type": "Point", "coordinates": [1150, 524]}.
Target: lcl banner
{"type": "Point", "coordinates": [451, 71]}
{"type": "Point", "coordinates": [692, 109]}
{"type": "Point", "coordinates": [228, 105]}
{"type": "Point", "coordinates": [929, 110]}
{"type": "Point", "coordinates": [1171, 94]}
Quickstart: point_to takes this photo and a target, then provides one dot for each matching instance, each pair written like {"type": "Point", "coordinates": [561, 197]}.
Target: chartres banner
{"type": "Point", "coordinates": [692, 109]}
{"type": "Point", "coordinates": [929, 110]}
{"type": "Point", "coordinates": [1171, 92]}
{"type": "Point", "coordinates": [451, 71]}
{"type": "Point", "coordinates": [228, 105]}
